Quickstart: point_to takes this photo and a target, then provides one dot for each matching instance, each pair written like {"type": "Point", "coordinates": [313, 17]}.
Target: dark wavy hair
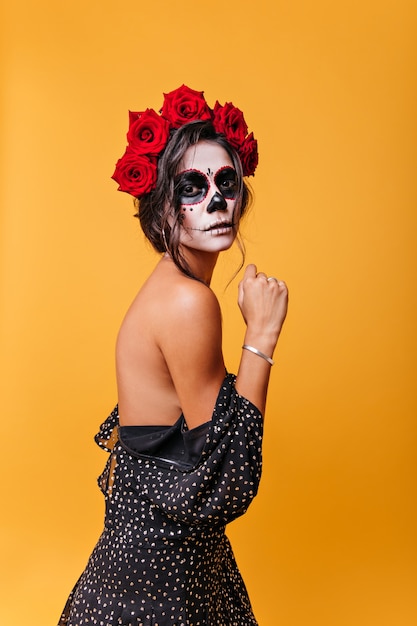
{"type": "Point", "coordinates": [154, 208]}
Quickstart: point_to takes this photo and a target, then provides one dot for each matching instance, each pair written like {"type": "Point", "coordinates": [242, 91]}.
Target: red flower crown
{"type": "Point", "coordinates": [149, 134]}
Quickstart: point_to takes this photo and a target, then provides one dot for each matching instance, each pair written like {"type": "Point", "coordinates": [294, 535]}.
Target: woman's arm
{"type": "Point", "coordinates": [190, 338]}
{"type": "Point", "coordinates": [263, 304]}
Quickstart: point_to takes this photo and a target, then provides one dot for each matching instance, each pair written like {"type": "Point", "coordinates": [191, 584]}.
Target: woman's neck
{"type": "Point", "coordinates": [201, 263]}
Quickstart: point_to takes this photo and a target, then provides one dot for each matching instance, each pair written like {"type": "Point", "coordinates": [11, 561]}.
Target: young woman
{"type": "Point", "coordinates": [185, 439]}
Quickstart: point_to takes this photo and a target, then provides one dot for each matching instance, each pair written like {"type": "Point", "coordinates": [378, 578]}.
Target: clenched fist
{"type": "Point", "coordinates": [263, 302]}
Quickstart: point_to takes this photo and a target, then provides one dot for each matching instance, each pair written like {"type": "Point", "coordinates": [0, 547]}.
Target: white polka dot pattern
{"type": "Point", "coordinates": [163, 558]}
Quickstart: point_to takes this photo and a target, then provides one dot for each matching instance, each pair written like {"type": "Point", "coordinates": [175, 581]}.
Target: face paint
{"type": "Point", "coordinates": [217, 203]}
{"type": "Point", "coordinates": [192, 186]}
{"type": "Point", "coordinates": [205, 192]}
{"type": "Point", "coordinates": [226, 182]}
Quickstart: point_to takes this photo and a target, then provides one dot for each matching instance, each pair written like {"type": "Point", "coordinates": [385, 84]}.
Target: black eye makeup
{"type": "Point", "coordinates": [191, 187]}
{"type": "Point", "coordinates": [226, 182]}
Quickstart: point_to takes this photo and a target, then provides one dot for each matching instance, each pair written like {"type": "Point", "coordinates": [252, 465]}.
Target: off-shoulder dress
{"type": "Point", "coordinates": [163, 558]}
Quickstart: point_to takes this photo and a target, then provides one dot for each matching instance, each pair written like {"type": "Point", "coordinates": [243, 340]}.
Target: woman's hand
{"type": "Point", "coordinates": [263, 302]}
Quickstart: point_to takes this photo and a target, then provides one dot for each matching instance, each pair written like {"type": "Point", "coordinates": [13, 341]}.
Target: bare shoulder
{"type": "Point", "coordinates": [169, 302]}
{"type": "Point", "coordinates": [192, 299]}
{"type": "Point", "coordinates": [170, 341]}
{"type": "Point", "coordinates": [190, 339]}
{"type": "Point", "coordinates": [189, 319]}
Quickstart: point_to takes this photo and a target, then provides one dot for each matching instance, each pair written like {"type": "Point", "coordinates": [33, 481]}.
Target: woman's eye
{"type": "Point", "coordinates": [191, 187]}
{"type": "Point", "coordinates": [228, 184]}
{"type": "Point", "coordinates": [190, 190]}
{"type": "Point", "coordinates": [226, 181]}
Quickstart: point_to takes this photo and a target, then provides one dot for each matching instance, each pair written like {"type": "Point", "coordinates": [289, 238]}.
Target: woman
{"type": "Point", "coordinates": [185, 438]}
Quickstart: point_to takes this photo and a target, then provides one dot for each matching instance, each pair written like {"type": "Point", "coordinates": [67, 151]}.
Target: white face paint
{"type": "Point", "coordinates": [206, 188]}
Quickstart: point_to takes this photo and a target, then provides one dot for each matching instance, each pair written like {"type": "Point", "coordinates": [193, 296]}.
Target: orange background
{"type": "Point", "coordinates": [329, 89]}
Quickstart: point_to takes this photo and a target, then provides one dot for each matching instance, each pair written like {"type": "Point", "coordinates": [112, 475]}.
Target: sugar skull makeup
{"type": "Point", "coordinates": [192, 186]}
{"type": "Point", "coordinates": [206, 192]}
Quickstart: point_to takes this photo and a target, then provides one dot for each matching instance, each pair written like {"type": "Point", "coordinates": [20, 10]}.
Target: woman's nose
{"type": "Point", "coordinates": [217, 203]}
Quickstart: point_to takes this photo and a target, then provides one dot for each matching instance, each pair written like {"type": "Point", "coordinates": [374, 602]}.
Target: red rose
{"type": "Point", "coordinates": [133, 116]}
{"type": "Point", "coordinates": [185, 105]}
{"type": "Point", "coordinates": [148, 132]}
{"type": "Point", "coordinates": [135, 173]}
{"type": "Point", "coordinates": [248, 153]}
{"type": "Point", "coordinates": [229, 120]}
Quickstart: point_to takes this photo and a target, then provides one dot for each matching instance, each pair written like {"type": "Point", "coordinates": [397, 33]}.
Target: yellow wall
{"type": "Point", "coordinates": [329, 89]}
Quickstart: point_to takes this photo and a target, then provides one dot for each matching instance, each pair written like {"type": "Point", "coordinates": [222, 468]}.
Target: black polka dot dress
{"type": "Point", "coordinates": [163, 558]}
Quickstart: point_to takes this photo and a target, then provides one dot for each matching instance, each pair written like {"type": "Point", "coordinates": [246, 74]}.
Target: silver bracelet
{"type": "Point", "coordinates": [258, 352]}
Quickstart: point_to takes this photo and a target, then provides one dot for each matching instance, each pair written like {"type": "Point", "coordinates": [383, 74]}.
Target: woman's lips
{"type": "Point", "coordinates": [219, 225]}
{"type": "Point", "coordinates": [214, 227]}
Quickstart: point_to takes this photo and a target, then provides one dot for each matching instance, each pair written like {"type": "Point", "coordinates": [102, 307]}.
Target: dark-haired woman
{"type": "Point", "coordinates": [185, 439]}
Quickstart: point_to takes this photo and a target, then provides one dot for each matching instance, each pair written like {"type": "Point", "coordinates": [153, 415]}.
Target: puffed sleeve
{"type": "Point", "coordinates": [224, 481]}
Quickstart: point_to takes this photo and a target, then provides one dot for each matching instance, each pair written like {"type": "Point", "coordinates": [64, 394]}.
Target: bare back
{"type": "Point", "coordinates": [158, 351]}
